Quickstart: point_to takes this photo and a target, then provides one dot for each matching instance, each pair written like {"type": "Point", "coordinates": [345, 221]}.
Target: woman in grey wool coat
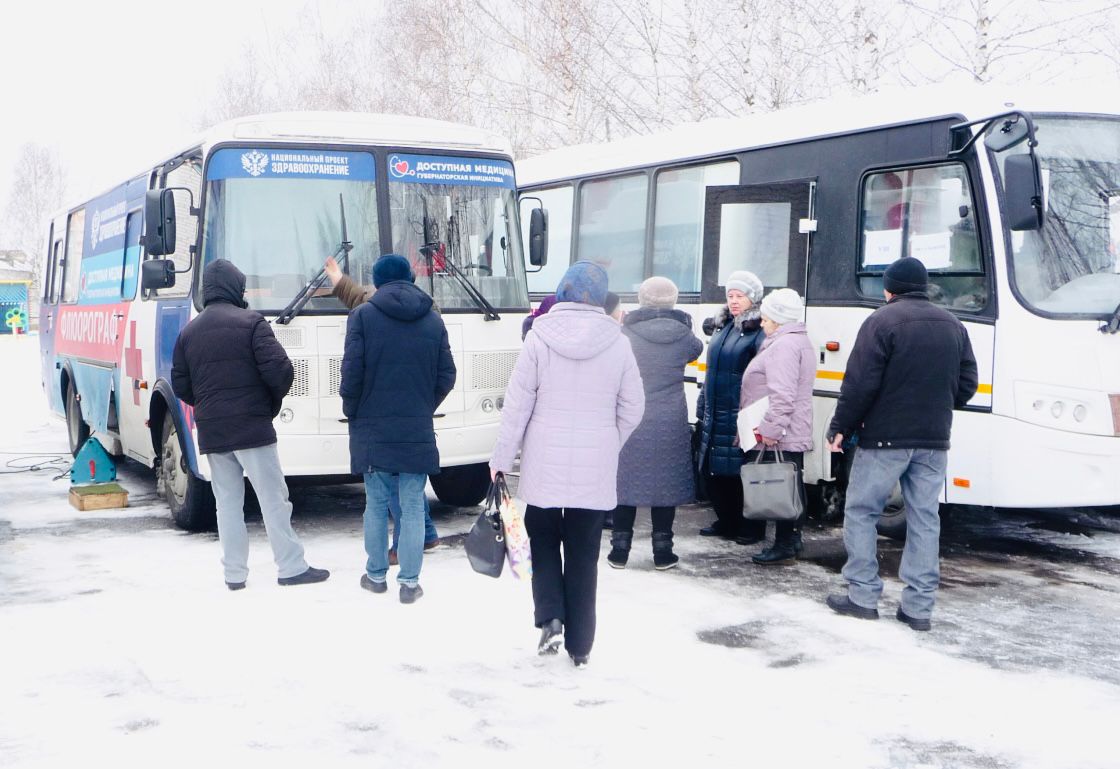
{"type": "Point", "coordinates": [655, 466]}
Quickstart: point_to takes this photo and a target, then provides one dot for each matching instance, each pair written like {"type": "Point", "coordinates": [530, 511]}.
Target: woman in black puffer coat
{"type": "Point", "coordinates": [736, 337]}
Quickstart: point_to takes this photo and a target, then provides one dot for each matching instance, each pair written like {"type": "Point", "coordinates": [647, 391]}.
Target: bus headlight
{"type": "Point", "coordinates": [487, 405]}
{"type": "Point", "coordinates": [286, 415]}
{"type": "Point", "coordinates": [502, 402]}
{"type": "Point", "coordinates": [1080, 412]}
{"type": "Point", "coordinates": [1056, 409]}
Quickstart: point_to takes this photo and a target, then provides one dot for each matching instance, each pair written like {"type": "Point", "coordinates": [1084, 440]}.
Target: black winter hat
{"type": "Point", "coordinates": [905, 275]}
{"type": "Point", "coordinates": [391, 267]}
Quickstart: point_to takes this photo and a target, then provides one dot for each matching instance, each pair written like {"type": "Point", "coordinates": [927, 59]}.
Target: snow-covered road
{"type": "Point", "coordinates": [120, 644]}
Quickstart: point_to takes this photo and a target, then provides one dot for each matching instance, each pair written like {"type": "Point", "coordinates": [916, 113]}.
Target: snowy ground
{"type": "Point", "coordinates": [119, 643]}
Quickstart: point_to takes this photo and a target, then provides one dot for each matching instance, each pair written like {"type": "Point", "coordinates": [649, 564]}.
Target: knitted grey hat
{"type": "Point", "coordinates": [658, 293]}
{"type": "Point", "coordinates": [748, 283]}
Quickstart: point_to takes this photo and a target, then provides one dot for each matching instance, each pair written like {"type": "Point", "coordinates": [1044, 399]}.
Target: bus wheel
{"type": "Point", "coordinates": [190, 498]}
{"type": "Point", "coordinates": [892, 523]}
{"type": "Point", "coordinates": [76, 428]}
{"type": "Point", "coordinates": [462, 486]}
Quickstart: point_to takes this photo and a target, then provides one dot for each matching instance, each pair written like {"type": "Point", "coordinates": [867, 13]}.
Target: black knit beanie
{"type": "Point", "coordinates": [905, 275]}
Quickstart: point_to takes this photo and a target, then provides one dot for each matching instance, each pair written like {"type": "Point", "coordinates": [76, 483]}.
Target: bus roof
{"type": "Point", "coordinates": [359, 128]}
{"type": "Point", "coordinates": [693, 141]}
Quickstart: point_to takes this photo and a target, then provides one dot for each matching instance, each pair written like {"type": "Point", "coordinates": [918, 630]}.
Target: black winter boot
{"type": "Point", "coordinates": [620, 548]}
{"type": "Point", "coordinates": [663, 555]}
{"type": "Point", "coordinates": [784, 550]}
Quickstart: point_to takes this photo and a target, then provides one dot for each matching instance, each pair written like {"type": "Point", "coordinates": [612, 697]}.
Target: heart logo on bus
{"type": "Point", "coordinates": [398, 167]}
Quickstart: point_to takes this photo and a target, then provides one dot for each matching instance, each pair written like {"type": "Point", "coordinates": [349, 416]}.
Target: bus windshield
{"type": "Point", "coordinates": [1072, 265]}
{"type": "Point", "coordinates": [275, 214]}
{"type": "Point", "coordinates": [459, 212]}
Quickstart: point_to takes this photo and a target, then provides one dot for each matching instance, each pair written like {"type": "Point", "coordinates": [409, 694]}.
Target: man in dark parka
{"type": "Point", "coordinates": [229, 366]}
{"type": "Point", "coordinates": [396, 370]}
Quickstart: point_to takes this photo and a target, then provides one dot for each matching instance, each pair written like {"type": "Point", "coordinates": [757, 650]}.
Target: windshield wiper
{"type": "Point", "coordinates": [430, 250]}
{"type": "Point", "coordinates": [432, 247]}
{"type": "Point", "coordinates": [1113, 324]}
{"type": "Point", "coordinates": [313, 285]}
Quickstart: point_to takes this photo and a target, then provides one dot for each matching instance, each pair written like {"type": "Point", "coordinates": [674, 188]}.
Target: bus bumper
{"type": "Point", "coordinates": [330, 454]}
{"type": "Point", "coordinates": [1012, 463]}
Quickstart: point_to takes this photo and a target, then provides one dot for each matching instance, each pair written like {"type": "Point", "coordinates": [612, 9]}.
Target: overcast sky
{"type": "Point", "coordinates": [114, 84]}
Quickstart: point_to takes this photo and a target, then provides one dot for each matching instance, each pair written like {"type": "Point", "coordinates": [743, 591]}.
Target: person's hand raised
{"type": "Point", "coordinates": [334, 272]}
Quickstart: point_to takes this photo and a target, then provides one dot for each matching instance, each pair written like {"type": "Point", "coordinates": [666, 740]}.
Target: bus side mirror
{"type": "Point", "coordinates": [538, 237]}
{"type": "Point", "coordinates": [1022, 192]}
{"type": "Point", "coordinates": [156, 274]}
{"type": "Point", "coordinates": [159, 222]}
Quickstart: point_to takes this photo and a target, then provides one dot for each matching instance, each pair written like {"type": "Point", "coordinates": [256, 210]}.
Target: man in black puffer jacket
{"type": "Point", "coordinates": [911, 365]}
{"type": "Point", "coordinates": [396, 371]}
{"type": "Point", "coordinates": [229, 366]}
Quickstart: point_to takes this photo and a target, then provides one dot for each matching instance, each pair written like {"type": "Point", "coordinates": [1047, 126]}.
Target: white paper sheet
{"type": "Point", "coordinates": [750, 418]}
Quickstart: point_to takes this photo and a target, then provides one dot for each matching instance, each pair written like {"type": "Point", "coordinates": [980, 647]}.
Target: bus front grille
{"type": "Point", "coordinates": [301, 385]}
{"type": "Point", "coordinates": [491, 370]}
{"type": "Point", "coordinates": [334, 375]}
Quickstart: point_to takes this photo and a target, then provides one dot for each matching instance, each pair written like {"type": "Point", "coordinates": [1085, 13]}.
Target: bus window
{"type": "Point", "coordinates": [130, 260]}
{"type": "Point", "coordinates": [927, 213]}
{"type": "Point", "coordinates": [72, 271]}
{"type": "Point", "coordinates": [558, 202]}
{"type": "Point", "coordinates": [755, 237]}
{"type": "Point", "coordinates": [56, 263]}
{"type": "Point", "coordinates": [612, 228]}
{"type": "Point", "coordinates": [678, 220]}
{"type": "Point", "coordinates": [187, 175]}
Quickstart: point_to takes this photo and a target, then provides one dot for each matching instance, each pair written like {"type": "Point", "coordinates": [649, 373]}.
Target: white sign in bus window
{"type": "Point", "coordinates": [755, 237]}
{"type": "Point", "coordinates": [932, 250]}
{"type": "Point", "coordinates": [881, 247]}
{"type": "Point", "coordinates": [1114, 230]}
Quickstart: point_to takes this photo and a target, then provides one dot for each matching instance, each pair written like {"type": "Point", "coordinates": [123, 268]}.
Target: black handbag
{"type": "Point", "coordinates": [771, 490]}
{"type": "Point", "coordinates": [486, 542]}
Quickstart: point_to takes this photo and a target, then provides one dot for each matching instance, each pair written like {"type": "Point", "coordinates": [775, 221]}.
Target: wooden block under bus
{"type": "Point", "coordinates": [98, 496]}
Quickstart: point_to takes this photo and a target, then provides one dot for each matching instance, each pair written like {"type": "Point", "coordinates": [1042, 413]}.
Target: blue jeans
{"type": "Point", "coordinates": [430, 533]}
{"type": "Point", "coordinates": [921, 473]}
{"type": "Point", "coordinates": [410, 553]}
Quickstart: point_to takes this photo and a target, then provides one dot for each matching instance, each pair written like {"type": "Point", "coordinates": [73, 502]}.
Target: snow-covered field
{"type": "Point", "coordinates": [120, 646]}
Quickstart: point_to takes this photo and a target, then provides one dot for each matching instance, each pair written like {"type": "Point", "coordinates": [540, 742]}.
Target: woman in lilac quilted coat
{"type": "Point", "coordinates": [573, 399]}
{"type": "Point", "coordinates": [783, 371]}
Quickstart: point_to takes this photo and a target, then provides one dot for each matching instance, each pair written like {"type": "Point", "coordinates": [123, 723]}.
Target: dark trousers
{"type": "Point", "coordinates": [662, 517]}
{"type": "Point", "coordinates": [726, 495]}
{"type": "Point", "coordinates": [564, 588]}
{"type": "Point", "coordinates": [783, 530]}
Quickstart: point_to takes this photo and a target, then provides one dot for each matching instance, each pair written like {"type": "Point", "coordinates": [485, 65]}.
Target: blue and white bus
{"type": "Point", "coordinates": [276, 195]}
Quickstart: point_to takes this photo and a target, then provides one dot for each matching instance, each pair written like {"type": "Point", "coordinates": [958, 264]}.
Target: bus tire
{"type": "Point", "coordinates": [892, 521]}
{"type": "Point", "coordinates": [462, 486]}
{"type": "Point", "coordinates": [190, 498]}
{"type": "Point", "coordinates": [77, 431]}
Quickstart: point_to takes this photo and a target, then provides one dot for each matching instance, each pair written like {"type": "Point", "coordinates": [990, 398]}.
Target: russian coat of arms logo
{"type": "Point", "coordinates": [254, 162]}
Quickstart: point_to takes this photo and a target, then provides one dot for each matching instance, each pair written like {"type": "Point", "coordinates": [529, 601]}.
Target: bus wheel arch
{"type": "Point", "coordinates": [189, 498]}
{"type": "Point", "coordinates": [77, 430]}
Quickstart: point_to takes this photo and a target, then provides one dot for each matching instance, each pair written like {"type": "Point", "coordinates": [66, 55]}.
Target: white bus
{"type": "Point", "coordinates": [1013, 205]}
{"type": "Point", "coordinates": [276, 195]}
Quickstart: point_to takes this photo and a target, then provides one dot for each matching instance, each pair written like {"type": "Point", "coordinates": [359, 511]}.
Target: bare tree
{"type": "Point", "coordinates": [37, 190]}
{"type": "Point", "coordinates": [991, 40]}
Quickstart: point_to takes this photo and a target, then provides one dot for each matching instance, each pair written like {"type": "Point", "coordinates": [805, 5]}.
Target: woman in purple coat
{"type": "Point", "coordinates": [573, 399]}
{"type": "Point", "coordinates": [783, 371]}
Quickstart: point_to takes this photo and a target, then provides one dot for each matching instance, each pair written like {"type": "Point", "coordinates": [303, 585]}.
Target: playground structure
{"type": "Point", "coordinates": [15, 308]}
